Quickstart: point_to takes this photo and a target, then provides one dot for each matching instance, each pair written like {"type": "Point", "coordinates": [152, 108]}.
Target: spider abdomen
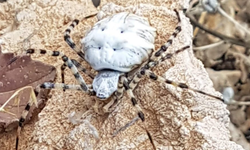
{"type": "Point", "coordinates": [120, 42]}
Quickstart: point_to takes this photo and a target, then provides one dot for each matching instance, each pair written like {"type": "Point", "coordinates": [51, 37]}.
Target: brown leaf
{"type": "Point", "coordinates": [15, 73]}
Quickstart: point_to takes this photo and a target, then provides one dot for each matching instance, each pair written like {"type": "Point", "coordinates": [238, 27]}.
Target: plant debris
{"type": "Point", "coordinates": [224, 50]}
{"type": "Point", "coordinates": [20, 72]}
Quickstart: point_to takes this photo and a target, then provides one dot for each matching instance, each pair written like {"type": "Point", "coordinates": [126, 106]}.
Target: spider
{"type": "Point", "coordinates": [121, 49]}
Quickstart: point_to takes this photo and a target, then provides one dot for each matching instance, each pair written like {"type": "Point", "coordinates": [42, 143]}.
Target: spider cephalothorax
{"type": "Point", "coordinates": [116, 46]}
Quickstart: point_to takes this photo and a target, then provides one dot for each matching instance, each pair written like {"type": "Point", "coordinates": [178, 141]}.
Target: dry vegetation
{"type": "Point", "coordinates": [224, 51]}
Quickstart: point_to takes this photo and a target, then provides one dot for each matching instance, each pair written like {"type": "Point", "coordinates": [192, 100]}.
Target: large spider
{"type": "Point", "coordinates": [121, 49]}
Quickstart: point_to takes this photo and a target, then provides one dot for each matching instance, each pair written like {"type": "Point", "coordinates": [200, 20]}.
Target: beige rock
{"type": "Point", "coordinates": [176, 118]}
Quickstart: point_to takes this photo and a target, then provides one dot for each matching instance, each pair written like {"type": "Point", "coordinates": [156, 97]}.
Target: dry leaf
{"type": "Point", "coordinates": [15, 73]}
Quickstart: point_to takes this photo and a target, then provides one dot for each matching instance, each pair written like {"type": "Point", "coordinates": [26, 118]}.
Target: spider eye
{"type": "Point", "coordinates": [122, 31]}
{"type": "Point", "coordinates": [99, 47]}
{"type": "Point", "coordinates": [103, 29]}
{"type": "Point", "coordinates": [114, 49]}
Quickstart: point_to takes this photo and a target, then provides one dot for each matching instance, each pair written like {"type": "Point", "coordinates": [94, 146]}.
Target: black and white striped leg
{"type": "Point", "coordinates": [63, 67]}
{"type": "Point", "coordinates": [49, 85]}
{"type": "Point", "coordinates": [69, 40]}
{"type": "Point", "coordinates": [79, 67]}
{"type": "Point", "coordinates": [118, 94]}
{"type": "Point", "coordinates": [125, 83]}
{"type": "Point", "coordinates": [138, 75]}
{"type": "Point", "coordinates": [76, 74]}
{"type": "Point", "coordinates": [153, 76]}
{"type": "Point", "coordinates": [164, 57]}
{"type": "Point", "coordinates": [24, 114]}
{"type": "Point", "coordinates": [120, 87]}
{"type": "Point", "coordinates": [82, 69]}
{"type": "Point", "coordinates": [139, 111]}
{"type": "Point", "coordinates": [170, 55]}
{"type": "Point", "coordinates": [21, 121]}
{"type": "Point", "coordinates": [158, 54]}
{"type": "Point", "coordinates": [67, 62]}
{"type": "Point", "coordinates": [135, 104]}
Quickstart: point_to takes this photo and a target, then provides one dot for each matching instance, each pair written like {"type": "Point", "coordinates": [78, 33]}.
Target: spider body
{"type": "Point", "coordinates": [116, 46]}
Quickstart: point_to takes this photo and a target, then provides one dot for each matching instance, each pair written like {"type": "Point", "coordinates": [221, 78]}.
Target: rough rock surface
{"type": "Point", "coordinates": [176, 118]}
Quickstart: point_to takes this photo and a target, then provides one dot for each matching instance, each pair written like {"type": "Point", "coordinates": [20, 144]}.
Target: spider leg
{"type": "Point", "coordinates": [129, 87]}
{"type": "Point", "coordinates": [159, 53]}
{"type": "Point", "coordinates": [49, 85]}
{"type": "Point", "coordinates": [144, 71]}
{"type": "Point", "coordinates": [153, 76]}
{"type": "Point", "coordinates": [123, 81]}
{"type": "Point", "coordinates": [120, 87]}
{"type": "Point", "coordinates": [24, 114]}
{"type": "Point", "coordinates": [63, 67]}
{"type": "Point", "coordinates": [82, 69]}
{"type": "Point", "coordinates": [70, 41]}
{"type": "Point", "coordinates": [118, 94]}
{"type": "Point", "coordinates": [21, 121]}
{"type": "Point", "coordinates": [79, 67]}
{"type": "Point", "coordinates": [46, 85]}
{"type": "Point", "coordinates": [67, 61]}
{"type": "Point", "coordinates": [169, 55]}
{"type": "Point", "coordinates": [137, 78]}
{"type": "Point", "coordinates": [130, 123]}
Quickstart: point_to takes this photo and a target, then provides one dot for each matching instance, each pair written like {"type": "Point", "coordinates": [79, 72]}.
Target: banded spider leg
{"type": "Point", "coordinates": [47, 85]}
{"type": "Point", "coordinates": [157, 57]}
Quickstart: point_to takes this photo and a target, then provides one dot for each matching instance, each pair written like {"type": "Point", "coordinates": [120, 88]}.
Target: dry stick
{"type": "Point", "coordinates": [201, 48]}
{"type": "Point", "coordinates": [201, 21]}
{"type": "Point", "coordinates": [214, 33]}
{"type": "Point", "coordinates": [223, 13]}
{"type": "Point", "coordinates": [226, 39]}
{"type": "Point", "coordinates": [234, 102]}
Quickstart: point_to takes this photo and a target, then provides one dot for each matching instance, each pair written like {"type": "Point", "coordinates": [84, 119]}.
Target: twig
{"type": "Point", "coordinates": [223, 13]}
{"type": "Point", "coordinates": [201, 48]}
{"type": "Point", "coordinates": [201, 21]}
{"type": "Point", "coordinates": [214, 33]}
{"type": "Point", "coordinates": [234, 102]}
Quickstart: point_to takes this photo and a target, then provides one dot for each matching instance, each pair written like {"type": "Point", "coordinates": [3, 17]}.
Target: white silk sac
{"type": "Point", "coordinates": [121, 42]}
